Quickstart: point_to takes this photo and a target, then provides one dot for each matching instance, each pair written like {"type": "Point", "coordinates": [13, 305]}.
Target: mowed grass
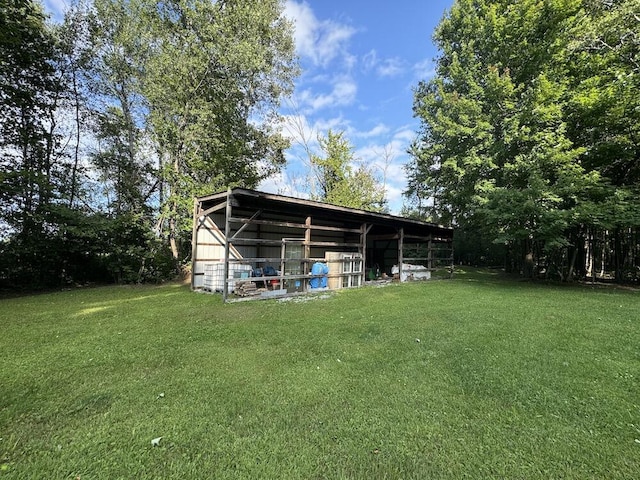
{"type": "Point", "coordinates": [478, 377]}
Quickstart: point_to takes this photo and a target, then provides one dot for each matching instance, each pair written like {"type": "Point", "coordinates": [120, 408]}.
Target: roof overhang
{"type": "Point", "coordinates": [253, 199]}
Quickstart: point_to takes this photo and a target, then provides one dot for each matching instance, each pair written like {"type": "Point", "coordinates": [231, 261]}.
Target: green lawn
{"type": "Point", "coordinates": [478, 377]}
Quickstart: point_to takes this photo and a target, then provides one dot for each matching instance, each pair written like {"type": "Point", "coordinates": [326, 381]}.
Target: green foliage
{"type": "Point", "coordinates": [469, 248]}
{"type": "Point", "coordinates": [213, 80]}
{"type": "Point", "coordinates": [604, 109]}
{"type": "Point", "coordinates": [166, 100]}
{"type": "Point", "coordinates": [531, 117]}
{"type": "Point", "coordinates": [113, 71]}
{"type": "Point", "coordinates": [84, 248]}
{"type": "Point", "coordinates": [28, 96]}
{"type": "Point", "coordinates": [338, 181]}
{"type": "Point", "coordinates": [506, 382]}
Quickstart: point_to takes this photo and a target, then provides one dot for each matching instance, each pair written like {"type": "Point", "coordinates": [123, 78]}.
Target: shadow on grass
{"type": "Point", "coordinates": [497, 276]}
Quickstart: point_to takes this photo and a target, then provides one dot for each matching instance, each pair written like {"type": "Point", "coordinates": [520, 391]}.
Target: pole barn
{"type": "Point", "coordinates": [257, 244]}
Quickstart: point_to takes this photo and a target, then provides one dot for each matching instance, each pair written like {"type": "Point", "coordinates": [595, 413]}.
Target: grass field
{"type": "Point", "coordinates": [478, 377]}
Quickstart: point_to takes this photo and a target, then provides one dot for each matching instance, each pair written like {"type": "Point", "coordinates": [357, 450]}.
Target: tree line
{"type": "Point", "coordinates": [115, 118]}
{"type": "Point", "coordinates": [530, 136]}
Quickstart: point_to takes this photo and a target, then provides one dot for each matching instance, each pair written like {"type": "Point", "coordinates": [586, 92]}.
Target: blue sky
{"type": "Point", "coordinates": [359, 62]}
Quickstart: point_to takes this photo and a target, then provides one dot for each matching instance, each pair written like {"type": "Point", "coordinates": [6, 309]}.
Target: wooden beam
{"type": "Point", "coordinates": [418, 238]}
{"type": "Point", "coordinates": [256, 241]}
{"type": "Point", "coordinates": [213, 209]}
{"type": "Point", "coordinates": [301, 226]}
{"type": "Point", "coordinates": [334, 244]}
{"type": "Point", "coordinates": [270, 260]}
{"type": "Point", "coordinates": [363, 251]}
{"type": "Point", "coordinates": [307, 249]}
{"type": "Point", "coordinates": [227, 231]}
{"type": "Point", "coordinates": [253, 217]}
{"type": "Point", "coordinates": [260, 241]}
{"type": "Point", "coordinates": [194, 241]}
{"type": "Point", "coordinates": [400, 253]}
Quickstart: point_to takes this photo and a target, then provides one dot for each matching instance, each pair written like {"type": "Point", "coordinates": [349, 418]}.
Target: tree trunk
{"type": "Point", "coordinates": [172, 233]}
{"type": "Point", "coordinates": [572, 263]}
{"type": "Point", "coordinates": [617, 255]}
{"type": "Point", "coordinates": [76, 151]}
{"type": "Point", "coordinates": [174, 213]}
{"type": "Point", "coordinates": [528, 263]}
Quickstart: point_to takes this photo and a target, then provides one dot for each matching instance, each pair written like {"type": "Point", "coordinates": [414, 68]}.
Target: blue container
{"type": "Point", "coordinates": [319, 268]}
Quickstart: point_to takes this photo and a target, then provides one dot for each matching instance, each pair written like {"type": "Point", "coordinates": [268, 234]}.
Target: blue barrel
{"type": "Point", "coordinates": [317, 269]}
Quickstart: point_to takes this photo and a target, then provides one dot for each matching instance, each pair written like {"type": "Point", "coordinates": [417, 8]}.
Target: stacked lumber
{"type": "Point", "coordinates": [245, 289]}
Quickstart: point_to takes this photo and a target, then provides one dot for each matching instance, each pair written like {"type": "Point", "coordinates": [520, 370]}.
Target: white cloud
{"type": "Point", "coordinates": [424, 69]}
{"type": "Point", "coordinates": [405, 135]}
{"type": "Point", "coordinates": [321, 41]}
{"type": "Point", "coordinates": [378, 130]}
{"type": "Point", "coordinates": [387, 159]}
{"type": "Point", "coordinates": [304, 135]}
{"type": "Point", "coordinates": [395, 198]}
{"type": "Point", "coordinates": [383, 67]}
{"type": "Point", "coordinates": [296, 128]}
{"type": "Point", "coordinates": [391, 67]}
{"type": "Point", "coordinates": [370, 60]}
{"type": "Point", "coordinates": [325, 124]}
{"type": "Point", "coordinates": [384, 151]}
{"type": "Point", "coordinates": [343, 92]}
{"type": "Point", "coordinates": [284, 183]}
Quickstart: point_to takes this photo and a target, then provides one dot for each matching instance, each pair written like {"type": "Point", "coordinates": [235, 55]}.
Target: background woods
{"type": "Point", "coordinates": [530, 136]}
{"type": "Point", "coordinates": [113, 120]}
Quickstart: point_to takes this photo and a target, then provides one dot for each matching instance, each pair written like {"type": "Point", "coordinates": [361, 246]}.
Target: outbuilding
{"type": "Point", "coordinates": [252, 243]}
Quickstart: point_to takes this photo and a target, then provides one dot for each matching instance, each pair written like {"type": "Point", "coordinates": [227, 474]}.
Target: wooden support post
{"type": "Point", "coordinates": [194, 242]}
{"type": "Point", "coordinates": [283, 265]}
{"type": "Point", "coordinates": [430, 253]}
{"type": "Point", "coordinates": [306, 252]}
{"type": "Point", "coordinates": [400, 251]}
{"type": "Point", "coordinates": [227, 232]}
{"type": "Point", "coordinates": [364, 230]}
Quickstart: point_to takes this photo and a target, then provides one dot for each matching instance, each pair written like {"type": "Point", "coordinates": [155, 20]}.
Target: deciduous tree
{"type": "Point", "coordinates": [338, 180]}
{"type": "Point", "coordinates": [494, 150]}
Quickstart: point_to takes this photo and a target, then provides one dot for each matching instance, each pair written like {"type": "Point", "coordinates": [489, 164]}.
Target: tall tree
{"type": "Point", "coordinates": [603, 111]}
{"type": "Point", "coordinates": [604, 69]}
{"type": "Point", "coordinates": [337, 180]}
{"type": "Point", "coordinates": [116, 52]}
{"type": "Point", "coordinates": [31, 171]}
{"type": "Point", "coordinates": [494, 151]}
{"type": "Point", "coordinates": [214, 79]}
{"type": "Point", "coordinates": [28, 93]}
{"type": "Point", "coordinates": [197, 81]}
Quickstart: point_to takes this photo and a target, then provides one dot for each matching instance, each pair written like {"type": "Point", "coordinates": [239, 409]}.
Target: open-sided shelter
{"type": "Point", "coordinates": [248, 242]}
